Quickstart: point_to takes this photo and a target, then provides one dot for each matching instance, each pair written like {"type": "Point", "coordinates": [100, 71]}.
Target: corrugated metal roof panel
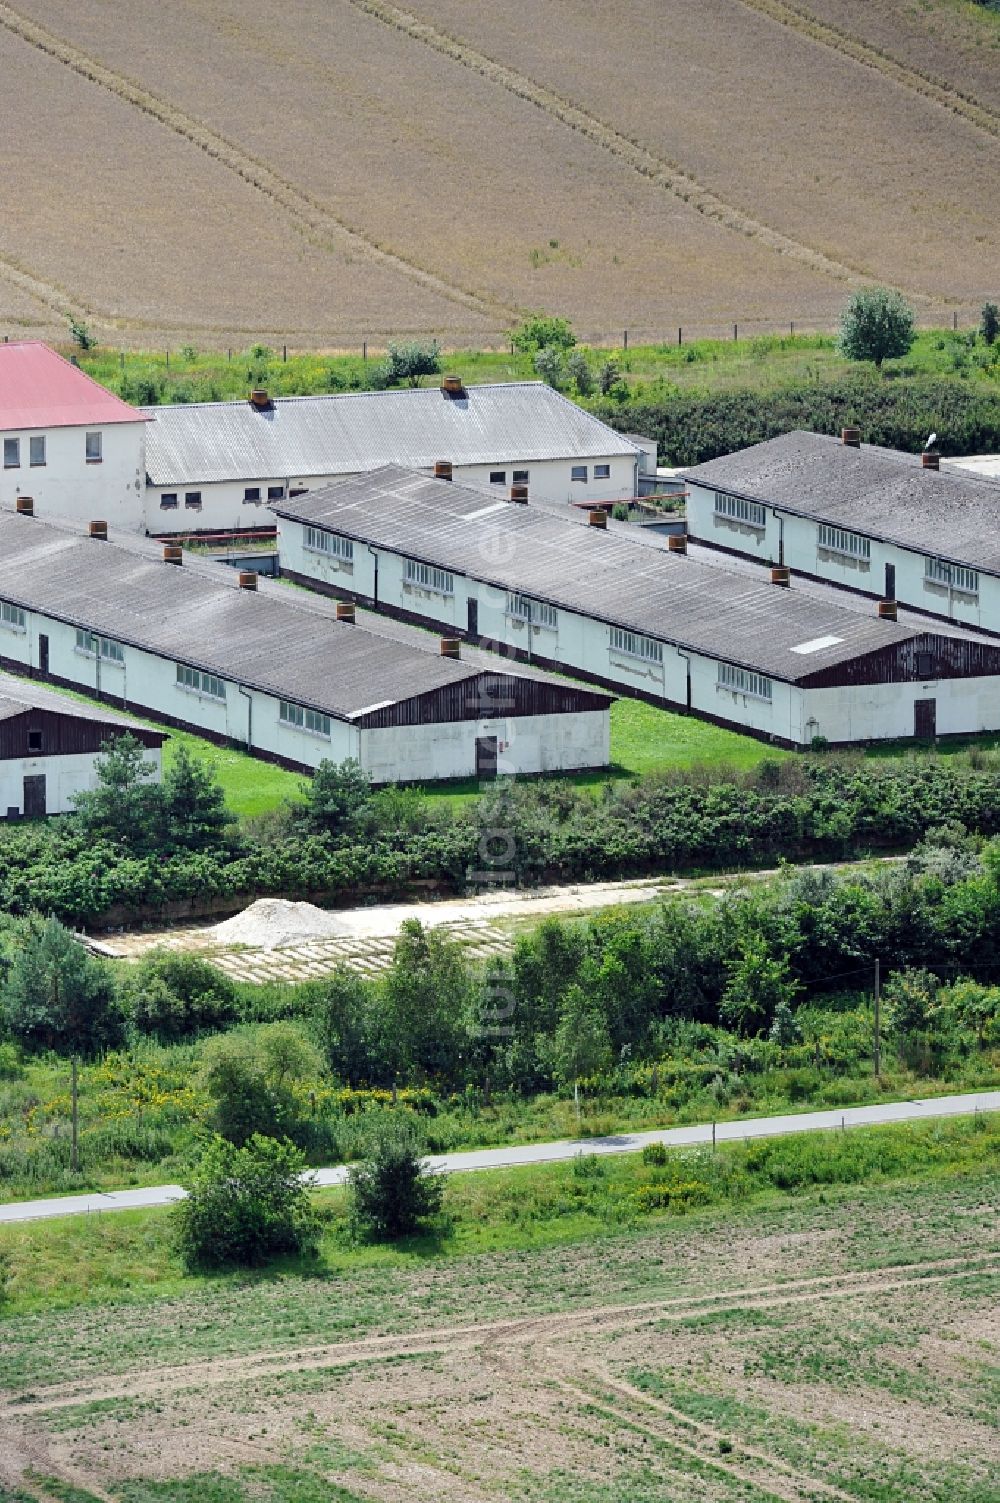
{"type": "Point", "coordinates": [723, 613]}
{"type": "Point", "coordinates": [18, 696]}
{"type": "Point", "coordinates": [948, 513]}
{"type": "Point", "coordinates": [349, 432]}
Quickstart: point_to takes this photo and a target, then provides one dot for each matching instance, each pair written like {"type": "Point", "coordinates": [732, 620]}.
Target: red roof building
{"type": "Point", "coordinates": [40, 389]}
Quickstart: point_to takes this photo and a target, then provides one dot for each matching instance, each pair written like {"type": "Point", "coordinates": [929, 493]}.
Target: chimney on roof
{"type": "Point", "coordinates": [345, 612]}
{"type": "Point", "coordinates": [677, 542]}
{"type": "Point", "coordinates": [781, 575]}
{"type": "Point", "coordinates": [442, 469]}
{"type": "Point", "coordinates": [173, 553]}
{"type": "Point", "coordinates": [248, 579]}
{"type": "Point", "coordinates": [597, 519]}
{"type": "Point", "coordinates": [451, 647]}
{"type": "Point", "coordinates": [452, 386]}
{"type": "Point", "coordinates": [519, 494]}
{"type": "Point", "coordinates": [887, 610]}
{"type": "Point", "coordinates": [25, 506]}
{"type": "Point", "coordinates": [99, 530]}
{"type": "Point", "coordinates": [930, 459]}
{"type": "Point", "coordinates": [259, 399]}
{"type": "Point", "coordinates": [851, 437]}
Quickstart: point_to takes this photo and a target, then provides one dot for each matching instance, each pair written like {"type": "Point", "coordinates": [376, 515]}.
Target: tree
{"type": "Point", "coordinates": [758, 985]}
{"type": "Point", "coordinates": [582, 1041]}
{"type": "Point", "coordinates": [609, 380]}
{"type": "Point", "coordinates": [336, 795]}
{"type": "Point", "coordinates": [579, 372]}
{"type": "Point", "coordinates": [548, 363]}
{"type": "Point", "coordinates": [408, 362]}
{"type": "Point", "coordinates": [424, 1005]}
{"type": "Point", "coordinates": [81, 335]}
{"type": "Point", "coordinates": [193, 806]}
{"type": "Point", "coordinates": [876, 325]}
{"type": "Point", "coordinates": [989, 324]}
{"type": "Point", "coordinates": [126, 806]}
{"type": "Point", "coordinates": [907, 1000]}
{"type": "Point", "coordinates": [785, 1030]}
{"type": "Point", "coordinates": [58, 996]}
{"type": "Point", "coordinates": [977, 1007]}
{"type": "Point", "coordinates": [245, 1206]}
{"type": "Point", "coordinates": [542, 331]}
{"type": "Point", "coordinates": [173, 996]}
{"type": "Point", "coordinates": [343, 1022]}
{"type": "Point", "coordinates": [393, 1193]}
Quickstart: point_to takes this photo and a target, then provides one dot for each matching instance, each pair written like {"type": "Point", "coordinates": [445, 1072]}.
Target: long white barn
{"type": "Point", "coordinates": [780, 663]}
{"type": "Point", "coordinates": [248, 661]}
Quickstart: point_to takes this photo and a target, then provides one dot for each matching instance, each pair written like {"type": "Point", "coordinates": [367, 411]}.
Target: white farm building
{"type": "Point", "coordinates": [893, 526]}
{"type": "Point", "coordinates": [49, 745]}
{"type": "Point", "coordinates": [213, 466]}
{"type": "Point", "coordinates": [251, 662]}
{"type": "Point", "coordinates": [785, 664]}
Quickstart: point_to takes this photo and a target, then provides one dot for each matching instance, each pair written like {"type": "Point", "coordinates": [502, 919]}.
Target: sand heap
{"type": "Point", "coordinates": [272, 922]}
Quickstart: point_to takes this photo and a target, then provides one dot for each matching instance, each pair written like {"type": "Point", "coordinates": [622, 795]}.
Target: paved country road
{"type": "Point", "coordinates": [544, 1153]}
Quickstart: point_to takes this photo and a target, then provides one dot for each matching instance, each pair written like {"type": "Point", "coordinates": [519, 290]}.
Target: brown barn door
{"type": "Point", "coordinates": [34, 797]}
{"type": "Point", "coordinates": [486, 756]}
{"type": "Point", "coordinates": [925, 719]}
{"type": "Point", "coordinates": [43, 653]}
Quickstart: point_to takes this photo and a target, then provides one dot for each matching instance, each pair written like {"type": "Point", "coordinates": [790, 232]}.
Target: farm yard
{"type": "Point", "coordinates": [332, 173]}
{"type": "Point", "coordinates": [830, 1342]}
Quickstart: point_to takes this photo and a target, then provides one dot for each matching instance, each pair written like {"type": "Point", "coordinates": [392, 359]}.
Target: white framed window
{"type": "Point", "coordinates": [275, 492]}
{"type": "Point", "coordinates": [498, 477]}
{"type": "Point", "coordinates": [11, 453]}
{"type": "Point", "coordinates": [251, 493]}
{"type": "Point", "coordinates": [93, 448]}
{"type": "Point", "coordinates": [535, 612]}
{"type": "Point", "coordinates": [837, 540]}
{"type": "Point", "coordinates": [92, 646]}
{"type": "Point", "coordinates": [602, 472]}
{"type": "Point", "coordinates": [192, 500]}
{"type": "Point", "coordinates": [744, 681]}
{"type": "Point", "coordinates": [634, 645]}
{"type": "Point", "coordinates": [12, 617]}
{"type": "Point", "coordinates": [168, 501]}
{"type": "Point", "coordinates": [739, 509]}
{"type": "Point", "coordinates": [36, 450]}
{"type": "Point", "coordinates": [441, 581]}
{"type": "Point", "coordinates": [578, 472]}
{"type": "Point", "coordinates": [954, 576]}
{"type": "Point", "coordinates": [520, 477]}
{"type": "Point", "coordinates": [304, 720]}
{"type": "Point", "coordinates": [318, 541]}
{"type": "Point", "coordinates": [197, 682]}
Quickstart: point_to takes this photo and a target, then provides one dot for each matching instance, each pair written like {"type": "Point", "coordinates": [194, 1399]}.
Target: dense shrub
{"type": "Point", "coordinates": [393, 1193]}
{"type": "Point", "coordinates": [173, 996]}
{"type": "Point", "coordinates": [245, 1206]}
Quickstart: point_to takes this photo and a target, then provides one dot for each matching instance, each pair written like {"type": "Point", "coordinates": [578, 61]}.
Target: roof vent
{"type": "Point", "coordinates": [781, 575]}
{"type": "Point", "coordinates": [677, 542]}
{"type": "Point", "coordinates": [887, 610]}
{"type": "Point", "coordinates": [259, 399]}
{"type": "Point", "coordinates": [451, 647]}
{"type": "Point", "coordinates": [345, 611]}
{"type": "Point", "coordinates": [173, 553]}
{"type": "Point", "coordinates": [99, 530]}
{"type": "Point", "coordinates": [519, 494]}
{"type": "Point", "coordinates": [442, 469]}
{"type": "Point", "coordinates": [930, 459]}
{"type": "Point", "coordinates": [26, 506]}
{"type": "Point", "coordinates": [248, 579]}
{"type": "Point", "coordinates": [452, 386]}
{"type": "Point", "coordinates": [851, 437]}
{"type": "Point", "coordinates": [597, 518]}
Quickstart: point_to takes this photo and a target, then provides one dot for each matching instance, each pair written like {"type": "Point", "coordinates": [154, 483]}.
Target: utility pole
{"type": "Point", "coordinates": [877, 1052]}
{"type": "Point", "coordinates": [75, 1152]}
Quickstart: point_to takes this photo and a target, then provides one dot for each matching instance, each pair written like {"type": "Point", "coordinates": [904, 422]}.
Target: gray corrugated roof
{"type": "Point", "coordinates": [717, 611]}
{"type": "Point", "coordinates": [344, 433]}
{"type": "Point", "coordinates": [948, 513]}
{"type": "Point", "coordinates": [19, 696]}
{"type": "Point", "coordinates": [273, 639]}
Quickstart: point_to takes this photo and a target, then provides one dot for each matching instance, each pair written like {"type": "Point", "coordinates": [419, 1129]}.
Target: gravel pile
{"type": "Point", "coordinates": [272, 922]}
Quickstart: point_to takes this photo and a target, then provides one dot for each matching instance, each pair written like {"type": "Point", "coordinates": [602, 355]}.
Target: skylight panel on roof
{"type": "Point", "coordinates": [485, 511]}
{"type": "Point", "coordinates": [817, 645]}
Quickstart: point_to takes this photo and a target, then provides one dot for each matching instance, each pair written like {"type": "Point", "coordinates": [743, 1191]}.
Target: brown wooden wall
{"type": "Point", "coordinates": [949, 657]}
{"type": "Point", "coordinates": [62, 735]}
{"type": "Point", "coordinates": [487, 696]}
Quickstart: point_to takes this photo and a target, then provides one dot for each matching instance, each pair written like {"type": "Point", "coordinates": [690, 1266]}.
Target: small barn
{"type": "Point", "coordinates": [49, 745]}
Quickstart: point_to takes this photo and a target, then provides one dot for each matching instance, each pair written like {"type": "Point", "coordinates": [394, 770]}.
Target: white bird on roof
{"type": "Point", "coordinates": [930, 441]}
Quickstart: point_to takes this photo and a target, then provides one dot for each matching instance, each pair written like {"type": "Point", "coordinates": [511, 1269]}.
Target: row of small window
{"type": "Point", "coordinates": [318, 541]}
{"type": "Point", "coordinates": [200, 683]}
{"type": "Point", "coordinates": [739, 509]}
{"type": "Point", "coordinates": [535, 612]}
{"type": "Point", "coordinates": [744, 681]}
{"type": "Point", "coordinates": [99, 647]}
{"type": "Point", "coordinates": [303, 719]}
{"type": "Point", "coordinates": [517, 477]}
{"type": "Point", "coordinates": [36, 451]}
{"type": "Point", "coordinates": [955, 576]}
{"type": "Point", "coordinates": [441, 581]}
{"type": "Point", "coordinates": [169, 500]}
{"type": "Point", "coordinates": [837, 540]}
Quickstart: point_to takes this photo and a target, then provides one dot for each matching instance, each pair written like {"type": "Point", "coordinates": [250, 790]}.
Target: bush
{"type": "Point", "coordinates": [656, 1155]}
{"type": "Point", "coordinates": [989, 324]}
{"type": "Point", "coordinates": [246, 1206]}
{"type": "Point", "coordinates": [393, 1193]}
{"type": "Point", "coordinates": [174, 996]}
{"type": "Point", "coordinates": [541, 331]}
{"type": "Point", "coordinates": [876, 325]}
